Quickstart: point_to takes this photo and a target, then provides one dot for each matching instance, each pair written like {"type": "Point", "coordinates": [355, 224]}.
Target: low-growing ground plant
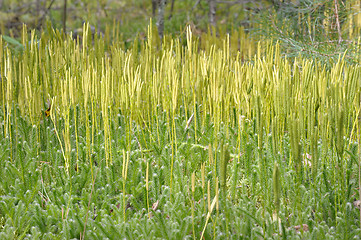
{"type": "Point", "coordinates": [176, 142]}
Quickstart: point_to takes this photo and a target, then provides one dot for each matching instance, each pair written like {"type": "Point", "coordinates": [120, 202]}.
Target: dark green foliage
{"type": "Point", "coordinates": [40, 200]}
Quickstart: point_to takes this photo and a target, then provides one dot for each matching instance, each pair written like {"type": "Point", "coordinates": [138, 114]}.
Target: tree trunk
{"type": "Point", "coordinates": [154, 7]}
{"type": "Point", "coordinates": [212, 12]}
{"type": "Point", "coordinates": [160, 22]}
{"type": "Point", "coordinates": [64, 16]}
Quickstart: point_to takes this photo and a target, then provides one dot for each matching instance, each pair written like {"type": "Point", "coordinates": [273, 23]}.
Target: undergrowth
{"type": "Point", "coordinates": [175, 143]}
{"type": "Point", "coordinates": [41, 200]}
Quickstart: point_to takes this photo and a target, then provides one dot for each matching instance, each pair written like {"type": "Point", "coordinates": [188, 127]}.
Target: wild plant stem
{"type": "Point", "coordinates": [90, 197]}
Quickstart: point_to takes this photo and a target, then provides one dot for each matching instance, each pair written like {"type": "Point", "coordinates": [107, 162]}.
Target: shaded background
{"type": "Point", "coordinates": [321, 29]}
{"type": "Point", "coordinates": [133, 16]}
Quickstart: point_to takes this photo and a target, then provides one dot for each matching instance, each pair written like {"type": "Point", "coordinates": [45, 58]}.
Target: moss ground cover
{"type": "Point", "coordinates": [183, 140]}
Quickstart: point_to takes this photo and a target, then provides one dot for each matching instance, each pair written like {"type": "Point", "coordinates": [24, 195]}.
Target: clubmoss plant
{"type": "Point", "coordinates": [225, 157]}
{"type": "Point", "coordinates": [276, 188]}
{"type": "Point", "coordinates": [148, 119]}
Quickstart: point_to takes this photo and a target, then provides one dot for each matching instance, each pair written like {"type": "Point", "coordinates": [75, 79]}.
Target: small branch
{"type": "Point", "coordinates": [45, 13]}
{"type": "Point", "coordinates": [319, 53]}
{"type": "Point", "coordinates": [338, 22]}
{"type": "Point", "coordinates": [274, 25]}
{"type": "Point", "coordinates": [236, 2]}
{"type": "Point", "coordinates": [195, 5]}
{"type": "Point", "coordinates": [334, 41]}
{"type": "Point", "coordinates": [171, 10]}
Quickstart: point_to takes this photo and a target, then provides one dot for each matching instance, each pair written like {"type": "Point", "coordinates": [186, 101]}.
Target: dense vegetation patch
{"type": "Point", "coordinates": [175, 142]}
